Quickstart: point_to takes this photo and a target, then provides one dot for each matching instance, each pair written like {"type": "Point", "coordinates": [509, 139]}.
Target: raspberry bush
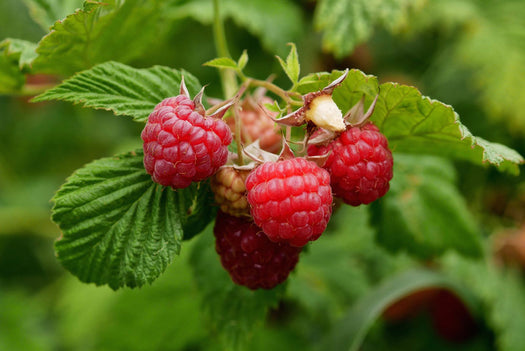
{"type": "Point", "coordinates": [263, 193]}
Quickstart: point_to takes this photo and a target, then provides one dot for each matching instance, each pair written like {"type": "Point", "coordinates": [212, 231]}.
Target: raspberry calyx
{"type": "Point", "coordinates": [319, 110]}
{"type": "Point", "coordinates": [359, 160]}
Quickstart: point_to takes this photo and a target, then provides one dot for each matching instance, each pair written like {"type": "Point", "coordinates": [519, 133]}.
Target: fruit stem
{"type": "Point", "coordinates": [237, 135]}
{"type": "Point", "coordinates": [287, 96]}
{"type": "Point", "coordinates": [228, 79]}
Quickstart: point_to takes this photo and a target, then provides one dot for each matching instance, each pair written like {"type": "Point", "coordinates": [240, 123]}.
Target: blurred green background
{"type": "Point", "coordinates": [468, 53]}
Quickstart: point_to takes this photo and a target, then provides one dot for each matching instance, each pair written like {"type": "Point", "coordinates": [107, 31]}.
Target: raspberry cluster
{"type": "Point", "coordinates": [271, 208]}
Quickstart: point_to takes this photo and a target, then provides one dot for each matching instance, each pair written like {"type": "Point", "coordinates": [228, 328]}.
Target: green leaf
{"type": "Point", "coordinates": [285, 24]}
{"type": "Point", "coordinates": [118, 226]}
{"type": "Point", "coordinates": [222, 62]}
{"type": "Point", "coordinates": [414, 123]}
{"type": "Point", "coordinates": [21, 50]}
{"type": "Point", "coordinates": [347, 23]}
{"type": "Point", "coordinates": [107, 315]}
{"type": "Point", "coordinates": [486, 37]}
{"type": "Point", "coordinates": [501, 295]}
{"type": "Point", "coordinates": [88, 36]}
{"type": "Point", "coordinates": [243, 60]}
{"type": "Point", "coordinates": [16, 57]}
{"type": "Point", "coordinates": [122, 89]}
{"type": "Point", "coordinates": [47, 12]}
{"type": "Point", "coordinates": [350, 332]}
{"type": "Point", "coordinates": [25, 323]}
{"type": "Point", "coordinates": [346, 249]}
{"type": "Point", "coordinates": [291, 67]}
{"type": "Point", "coordinates": [201, 211]}
{"type": "Point", "coordinates": [423, 212]}
{"type": "Point", "coordinates": [234, 311]}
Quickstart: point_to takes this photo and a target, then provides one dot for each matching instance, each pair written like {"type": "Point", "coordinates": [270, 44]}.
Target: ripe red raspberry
{"type": "Point", "coordinates": [360, 164]}
{"type": "Point", "coordinates": [291, 200]}
{"type": "Point", "coordinates": [230, 192]}
{"type": "Point", "coordinates": [181, 145]}
{"type": "Point", "coordinates": [249, 257]}
{"type": "Point", "coordinates": [257, 125]}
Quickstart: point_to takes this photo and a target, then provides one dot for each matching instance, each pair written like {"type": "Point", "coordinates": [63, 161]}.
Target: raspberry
{"type": "Point", "coordinates": [230, 192]}
{"type": "Point", "coordinates": [249, 257]}
{"type": "Point", "coordinates": [360, 164]}
{"type": "Point", "coordinates": [291, 200]}
{"type": "Point", "coordinates": [181, 145]}
{"type": "Point", "coordinates": [256, 124]}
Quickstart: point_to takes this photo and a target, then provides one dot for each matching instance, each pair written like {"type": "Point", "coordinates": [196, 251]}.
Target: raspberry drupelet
{"type": "Point", "coordinates": [181, 145]}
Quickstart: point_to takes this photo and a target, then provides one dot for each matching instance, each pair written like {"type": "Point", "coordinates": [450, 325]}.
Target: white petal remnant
{"type": "Point", "coordinates": [324, 113]}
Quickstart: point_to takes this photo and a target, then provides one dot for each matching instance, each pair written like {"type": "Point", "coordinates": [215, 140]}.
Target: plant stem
{"type": "Point", "coordinates": [237, 134]}
{"type": "Point", "coordinates": [228, 79]}
{"type": "Point", "coordinates": [286, 96]}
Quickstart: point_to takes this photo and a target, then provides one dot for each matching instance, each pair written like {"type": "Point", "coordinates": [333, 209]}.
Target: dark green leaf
{"type": "Point", "coordinates": [414, 123]}
{"type": "Point", "coordinates": [201, 211]}
{"type": "Point", "coordinates": [347, 23]}
{"type": "Point", "coordinates": [234, 311]}
{"type": "Point", "coordinates": [501, 294]}
{"type": "Point", "coordinates": [89, 35]}
{"type": "Point", "coordinates": [285, 24]}
{"type": "Point", "coordinates": [350, 332]}
{"type": "Point", "coordinates": [118, 226]}
{"type": "Point", "coordinates": [423, 212]}
{"type": "Point", "coordinates": [122, 89]}
{"type": "Point", "coordinates": [346, 249]}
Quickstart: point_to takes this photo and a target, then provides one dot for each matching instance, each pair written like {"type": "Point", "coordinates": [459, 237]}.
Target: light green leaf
{"type": "Point", "coordinates": [122, 89]}
{"type": "Point", "coordinates": [21, 50]}
{"type": "Point", "coordinates": [16, 57]}
{"type": "Point", "coordinates": [291, 67]}
{"type": "Point", "coordinates": [423, 213]}
{"type": "Point", "coordinates": [47, 12]}
{"type": "Point", "coordinates": [243, 60]}
{"type": "Point", "coordinates": [234, 311]}
{"type": "Point", "coordinates": [119, 227]}
{"type": "Point", "coordinates": [222, 62]}
{"type": "Point", "coordinates": [414, 123]}
{"type": "Point", "coordinates": [106, 314]}
{"type": "Point", "coordinates": [350, 332]}
{"type": "Point", "coordinates": [347, 23]}
{"type": "Point", "coordinates": [25, 323]}
{"type": "Point", "coordinates": [88, 36]}
{"type": "Point", "coordinates": [254, 15]}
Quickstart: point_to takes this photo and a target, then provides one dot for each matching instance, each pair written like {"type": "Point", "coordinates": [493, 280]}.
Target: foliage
{"type": "Point", "coordinates": [348, 23]}
{"type": "Point", "coordinates": [116, 227]}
